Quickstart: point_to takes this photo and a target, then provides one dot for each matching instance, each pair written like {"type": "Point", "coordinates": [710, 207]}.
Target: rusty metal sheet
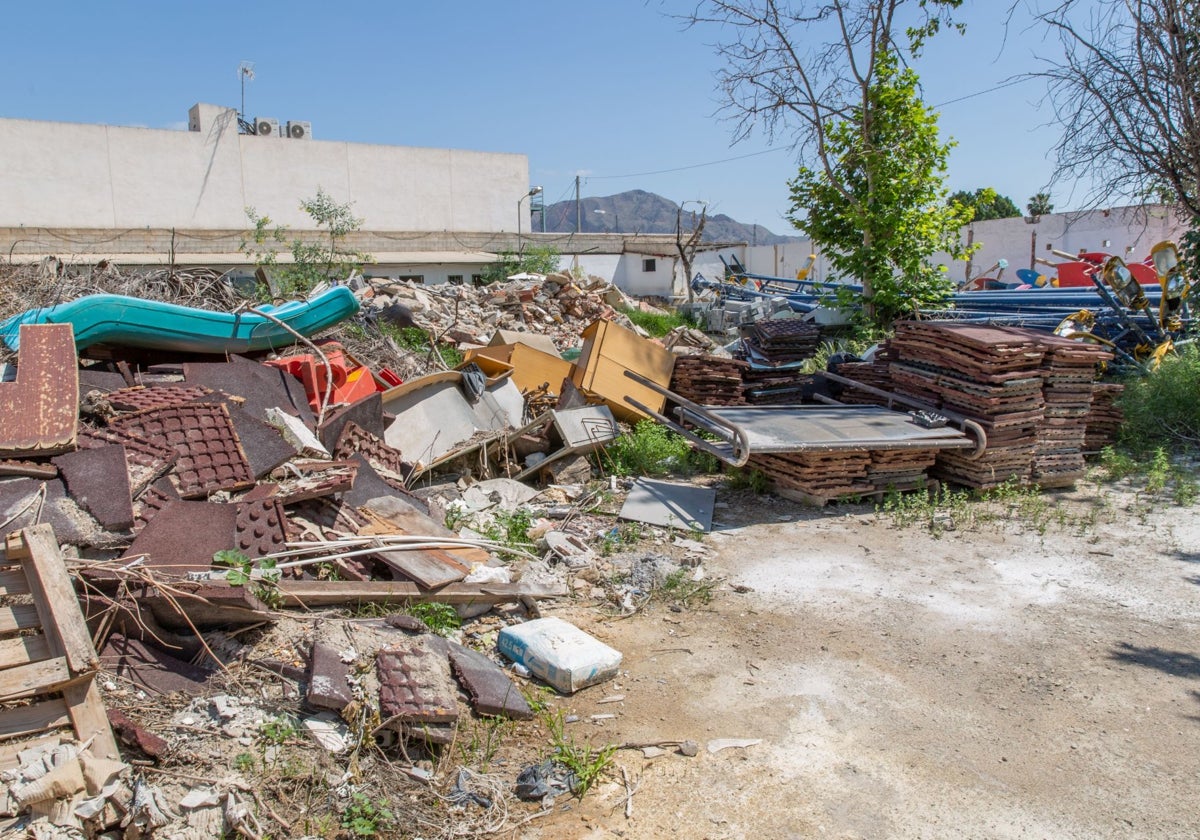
{"type": "Point", "coordinates": [834, 427]}
{"type": "Point", "coordinates": [40, 410]}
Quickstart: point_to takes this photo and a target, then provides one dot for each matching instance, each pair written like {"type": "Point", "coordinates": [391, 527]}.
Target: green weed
{"type": "Point", "coordinates": [1160, 408]}
{"type": "Point", "coordinates": [278, 730]}
{"type": "Point", "coordinates": [588, 763]}
{"type": "Point", "coordinates": [749, 478]}
{"type": "Point", "coordinates": [623, 534]}
{"type": "Point", "coordinates": [681, 589]}
{"type": "Point", "coordinates": [441, 618]}
{"type": "Point", "coordinates": [657, 324]}
{"type": "Point", "coordinates": [480, 746]}
{"type": "Point", "coordinates": [651, 449]}
{"type": "Point", "coordinates": [510, 528]}
{"type": "Point", "coordinates": [365, 817]}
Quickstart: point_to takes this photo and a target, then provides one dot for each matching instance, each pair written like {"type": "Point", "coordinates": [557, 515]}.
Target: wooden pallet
{"type": "Point", "coordinates": [47, 662]}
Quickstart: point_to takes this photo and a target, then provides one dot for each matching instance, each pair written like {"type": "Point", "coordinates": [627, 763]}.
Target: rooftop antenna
{"type": "Point", "coordinates": [245, 73]}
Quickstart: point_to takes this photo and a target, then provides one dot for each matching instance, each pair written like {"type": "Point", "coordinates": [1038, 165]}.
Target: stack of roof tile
{"type": "Point", "coordinates": [781, 341]}
{"type": "Point", "coordinates": [1105, 418]}
{"type": "Point", "coordinates": [875, 373]}
{"type": "Point", "coordinates": [709, 380]}
{"type": "Point", "coordinates": [817, 476]}
{"type": "Point", "coordinates": [989, 374]}
{"type": "Point", "coordinates": [1069, 373]}
{"type": "Point", "coordinates": [776, 387]}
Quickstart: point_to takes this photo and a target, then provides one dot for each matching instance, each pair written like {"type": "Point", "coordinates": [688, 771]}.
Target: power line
{"type": "Point", "coordinates": [1000, 86]}
{"type": "Point", "coordinates": [682, 168]}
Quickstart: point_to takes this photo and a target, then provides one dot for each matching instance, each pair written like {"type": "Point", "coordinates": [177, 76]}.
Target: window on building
{"type": "Point", "coordinates": [649, 265]}
{"type": "Point", "coordinates": [412, 278]}
{"type": "Point", "coordinates": [455, 279]}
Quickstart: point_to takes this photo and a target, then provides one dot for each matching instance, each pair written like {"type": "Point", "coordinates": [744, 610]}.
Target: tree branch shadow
{"type": "Point", "coordinates": [1173, 662]}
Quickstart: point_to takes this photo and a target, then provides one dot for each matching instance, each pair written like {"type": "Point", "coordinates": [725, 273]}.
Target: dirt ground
{"type": "Point", "coordinates": [1031, 676]}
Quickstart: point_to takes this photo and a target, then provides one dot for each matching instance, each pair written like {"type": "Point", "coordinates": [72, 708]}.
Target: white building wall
{"type": "Point", "coordinates": [88, 176]}
{"type": "Point", "coordinates": [1128, 232]}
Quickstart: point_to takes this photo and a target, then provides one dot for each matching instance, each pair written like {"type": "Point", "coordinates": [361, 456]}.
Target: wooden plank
{"type": "Point", "coordinates": [9, 755]}
{"type": "Point", "coordinates": [14, 583]}
{"type": "Point", "coordinates": [22, 650]}
{"type": "Point", "coordinates": [34, 718]}
{"type": "Point", "coordinates": [15, 547]}
{"type": "Point", "coordinates": [320, 593]}
{"type": "Point", "coordinates": [34, 678]}
{"type": "Point", "coordinates": [85, 707]}
{"type": "Point", "coordinates": [19, 617]}
{"type": "Point", "coordinates": [57, 602]}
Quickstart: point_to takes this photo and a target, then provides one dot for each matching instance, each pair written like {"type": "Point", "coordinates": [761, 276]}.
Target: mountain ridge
{"type": "Point", "coordinates": [639, 211]}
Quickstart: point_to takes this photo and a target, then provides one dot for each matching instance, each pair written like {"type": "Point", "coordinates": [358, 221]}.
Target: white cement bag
{"type": "Point", "coordinates": [559, 653]}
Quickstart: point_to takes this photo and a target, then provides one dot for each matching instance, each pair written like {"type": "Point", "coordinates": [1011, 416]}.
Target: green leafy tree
{"type": "Point", "coordinates": [314, 259]}
{"type": "Point", "coordinates": [987, 203]}
{"type": "Point", "coordinates": [539, 259]}
{"type": "Point", "coordinates": [1039, 205]}
{"type": "Point", "coordinates": [879, 209]}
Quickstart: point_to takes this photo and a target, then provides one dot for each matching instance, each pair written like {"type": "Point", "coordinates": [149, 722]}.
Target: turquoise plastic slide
{"type": "Point", "coordinates": [134, 322]}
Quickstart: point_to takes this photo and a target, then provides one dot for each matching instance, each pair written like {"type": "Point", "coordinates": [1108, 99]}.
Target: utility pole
{"type": "Point", "coordinates": [578, 215]}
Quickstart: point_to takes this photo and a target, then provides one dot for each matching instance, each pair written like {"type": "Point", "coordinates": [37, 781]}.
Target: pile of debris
{"type": "Point", "coordinates": [558, 307]}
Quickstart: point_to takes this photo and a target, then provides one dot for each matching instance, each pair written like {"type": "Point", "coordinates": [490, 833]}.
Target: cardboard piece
{"type": "Point", "coordinates": [535, 340]}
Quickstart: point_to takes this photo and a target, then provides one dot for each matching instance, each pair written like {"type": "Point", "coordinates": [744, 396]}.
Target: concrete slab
{"type": "Point", "coordinates": [670, 505]}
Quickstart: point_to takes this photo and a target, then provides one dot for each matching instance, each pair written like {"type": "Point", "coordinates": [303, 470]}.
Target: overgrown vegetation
{"type": "Point", "coordinates": [651, 449]}
{"type": "Point", "coordinates": [657, 324]}
{"type": "Point", "coordinates": [314, 260]}
{"type": "Point", "coordinates": [1162, 409]}
{"type": "Point", "coordinates": [441, 618]}
{"type": "Point", "coordinates": [537, 259]}
{"type": "Point", "coordinates": [408, 339]}
{"type": "Point", "coordinates": [682, 588]}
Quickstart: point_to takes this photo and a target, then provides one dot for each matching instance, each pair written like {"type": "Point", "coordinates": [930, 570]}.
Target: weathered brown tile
{"type": "Point", "coordinates": [98, 480]}
{"type": "Point", "coordinates": [210, 456]}
{"type": "Point", "coordinates": [366, 414]}
{"type": "Point", "coordinates": [261, 527]}
{"type": "Point", "coordinates": [386, 460]}
{"type": "Point", "coordinates": [415, 684]}
{"type": "Point", "coordinates": [184, 535]}
{"type": "Point", "coordinates": [40, 410]}
{"type": "Point", "coordinates": [492, 692]}
{"type": "Point", "coordinates": [261, 387]}
{"type": "Point", "coordinates": [141, 398]}
{"type": "Point", "coordinates": [149, 668]}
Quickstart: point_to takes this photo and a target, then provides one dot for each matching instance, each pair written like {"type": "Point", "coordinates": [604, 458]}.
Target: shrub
{"type": "Point", "coordinates": [1161, 409]}
{"type": "Point", "coordinates": [652, 449]}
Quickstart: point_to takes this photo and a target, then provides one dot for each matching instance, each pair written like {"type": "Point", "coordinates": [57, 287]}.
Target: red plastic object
{"type": "Point", "coordinates": [351, 381]}
{"type": "Point", "coordinates": [388, 375]}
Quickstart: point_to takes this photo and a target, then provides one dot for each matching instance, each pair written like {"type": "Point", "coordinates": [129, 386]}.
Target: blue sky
{"type": "Point", "coordinates": [608, 90]}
